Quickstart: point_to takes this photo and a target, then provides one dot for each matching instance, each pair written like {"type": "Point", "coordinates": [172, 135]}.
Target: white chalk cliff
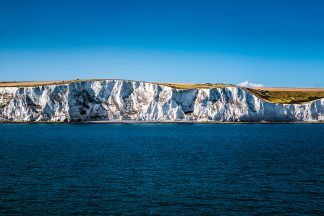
{"type": "Point", "coordinates": [142, 101]}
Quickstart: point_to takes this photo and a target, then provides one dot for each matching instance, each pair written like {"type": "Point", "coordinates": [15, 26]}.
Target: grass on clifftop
{"type": "Point", "coordinates": [40, 83]}
{"type": "Point", "coordinates": [287, 95]}
{"type": "Point", "coordinates": [172, 85]}
{"type": "Point", "coordinates": [197, 85]}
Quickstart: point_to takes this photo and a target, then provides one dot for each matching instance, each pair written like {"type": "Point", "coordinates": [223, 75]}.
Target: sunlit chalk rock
{"type": "Point", "coordinates": [142, 101]}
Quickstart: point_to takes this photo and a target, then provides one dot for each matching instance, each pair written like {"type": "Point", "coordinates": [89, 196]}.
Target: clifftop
{"type": "Point", "coordinates": [274, 95]}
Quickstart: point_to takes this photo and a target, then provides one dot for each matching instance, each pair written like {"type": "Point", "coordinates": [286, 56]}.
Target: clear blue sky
{"type": "Point", "coordinates": [272, 42]}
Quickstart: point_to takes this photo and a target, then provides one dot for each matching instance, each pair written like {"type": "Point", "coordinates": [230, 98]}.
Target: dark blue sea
{"type": "Point", "coordinates": [162, 169]}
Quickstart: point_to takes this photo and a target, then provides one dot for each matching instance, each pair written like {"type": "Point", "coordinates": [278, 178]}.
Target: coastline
{"type": "Point", "coordinates": [162, 122]}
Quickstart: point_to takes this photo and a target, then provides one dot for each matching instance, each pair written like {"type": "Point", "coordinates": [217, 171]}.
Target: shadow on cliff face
{"type": "Point", "coordinates": [126, 108]}
{"type": "Point", "coordinates": [185, 99]}
{"type": "Point", "coordinates": [83, 103]}
{"type": "Point", "coordinates": [27, 103]}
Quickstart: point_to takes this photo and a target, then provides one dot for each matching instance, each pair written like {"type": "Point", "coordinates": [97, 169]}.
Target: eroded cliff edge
{"type": "Point", "coordinates": [143, 101]}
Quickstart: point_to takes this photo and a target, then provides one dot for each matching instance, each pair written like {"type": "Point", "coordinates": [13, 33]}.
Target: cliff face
{"type": "Point", "coordinates": [132, 100]}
